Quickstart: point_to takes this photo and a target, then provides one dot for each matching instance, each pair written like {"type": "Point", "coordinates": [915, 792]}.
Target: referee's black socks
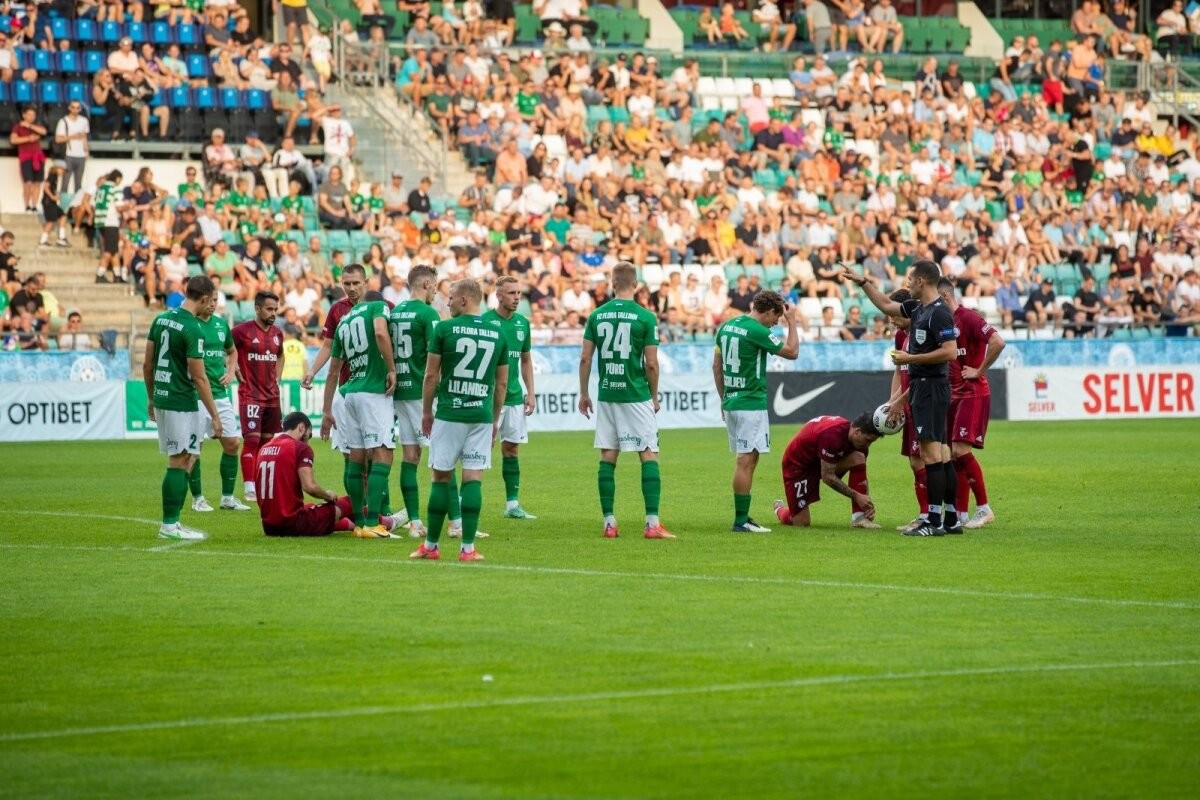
{"type": "Point", "coordinates": [951, 497]}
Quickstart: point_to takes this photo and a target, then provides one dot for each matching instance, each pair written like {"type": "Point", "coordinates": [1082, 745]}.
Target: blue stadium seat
{"type": "Point", "coordinates": [110, 31]}
{"type": "Point", "coordinates": [77, 93]}
{"type": "Point", "coordinates": [94, 61]}
{"type": "Point", "coordinates": [49, 93]}
{"type": "Point", "coordinates": [86, 31]}
{"type": "Point", "coordinates": [60, 28]}
{"type": "Point", "coordinates": [160, 33]}
{"type": "Point", "coordinates": [179, 97]}
{"type": "Point", "coordinates": [198, 66]}
{"type": "Point", "coordinates": [22, 92]}
{"type": "Point", "coordinates": [206, 97]}
{"type": "Point", "coordinates": [43, 62]}
{"type": "Point", "coordinates": [256, 99]}
{"type": "Point", "coordinates": [138, 32]}
{"type": "Point", "coordinates": [69, 63]}
{"type": "Point", "coordinates": [6, 24]}
{"type": "Point", "coordinates": [230, 98]}
{"type": "Point", "coordinates": [5, 95]}
{"type": "Point", "coordinates": [188, 35]}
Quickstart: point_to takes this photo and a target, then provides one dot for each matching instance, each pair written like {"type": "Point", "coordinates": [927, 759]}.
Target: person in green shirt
{"type": "Point", "coordinates": [220, 365]}
{"type": "Point", "coordinates": [624, 336]}
{"type": "Point", "coordinates": [468, 373]}
{"type": "Point", "coordinates": [362, 340]}
{"type": "Point", "coordinates": [176, 384]}
{"type": "Point", "coordinates": [412, 324]}
{"type": "Point", "coordinates": [191, 189]}
{"type": "Point", "coordinates": [518, 404]}
{"type": "Point", "coordinates": [740, 372]}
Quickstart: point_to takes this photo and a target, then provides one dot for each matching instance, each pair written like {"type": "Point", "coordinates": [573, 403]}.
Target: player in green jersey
{"type": "Point", "coordinates": [412, 324]}
{"type": "Point", "coordinates": [174, 374]}
{"type": "Point", "coordinates": [518, 404]}
{"type": "Point", "coordinates": [220, 364]}
{"type": "Point", "coordinates": [363, 341]}
{"type": "Point", "coordinates": [625, 336]}
{"type": "Point", "coordinates": [468, 372]}
{"type": "Point", "coordinates": [740, 372]}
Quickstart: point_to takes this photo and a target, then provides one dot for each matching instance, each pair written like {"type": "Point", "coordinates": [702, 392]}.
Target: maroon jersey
{"type": "Point", "coordinates": [821, 439]}
{"type": "Point", "coordinates": [280, 498]}
{"type": "Point", "coordinates": [973, 335]}
{"type": "Point", "coordinates": [336, 312]}
{"type": "Point", "coordinates": [258, 353]}
{"type": "Point", "coordinates": [901, 342]}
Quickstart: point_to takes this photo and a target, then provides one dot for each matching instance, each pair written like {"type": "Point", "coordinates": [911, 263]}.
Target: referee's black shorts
{"type": "Point", "coordinates": [929, 400]}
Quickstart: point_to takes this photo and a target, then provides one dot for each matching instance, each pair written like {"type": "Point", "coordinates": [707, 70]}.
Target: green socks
{"type": "Point", "coordinates": [455, 503]}
{"type": "Point", "coordinates": [741, 509]}
{"type": "Point", "coordinates": [194, 482]}
{"type": "Point", "coordinates": [174, 492]}
{"type": "Point", "coordinates": [385, 504]}
{"type": "Point", "coordinates": [651, 487]}
{"type": "Point", "coordinates": [377, 482]}
{"type": "Point", "coordinates": [472, 504]}
{"type": "Point", "coordinates": [410, 490]}
{"type": "Point", "coordinates": [355, 489]}
{"type": "Point", "coordinates": [439, 502]}
{"type": "Point", "coordinates": [606, 480]}
{"type": "Point", "coordinates": [229, 473]}
{"type": "Point", "coordinates": [511, 469]}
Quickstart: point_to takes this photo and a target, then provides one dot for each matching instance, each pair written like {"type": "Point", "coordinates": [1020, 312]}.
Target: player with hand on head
{"type": "Point", "coordinates": [260, 360]}
{"type": "Point", "coordinates": [362, 341]}
{"type": "Point", "coordinates": [284, 475]}
{"type": "Point", "coordinates": [176, 386]}
{"type": "Point", "coordinates": [623, 337]}
{"type": "Point", "coordinates": [467, 370]}
{"type": "Point", "coordinates": [412, 324]}
{"type": "Point", "coordinates": [519, 403]}
{"type": "Point", "coordinates": [824, 450]}
{"type": "Point", "coordinates": [897, 404]}
{"type": "Point", "coordinates": [220, 364]}
{"type": "Point", "coordinates": [931, 347]}
{"type": "Point", "coordinates": [740, 372]}
{"type": "Point", "coordinates": [979, 345]}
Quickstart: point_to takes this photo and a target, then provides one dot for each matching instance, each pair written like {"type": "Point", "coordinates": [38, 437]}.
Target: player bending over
{"type": "Point", "coordinates": [824, 450]}
{"type": "Point", "coordinates": [625, 337]}
{"type": "Point", "coordinates": [260, 358]}
{"type": "Point", "coordinates": [285, 475]}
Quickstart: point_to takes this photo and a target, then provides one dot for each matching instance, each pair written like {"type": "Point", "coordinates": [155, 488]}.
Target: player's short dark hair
{"type": "Point", "coordinates": [944, 284]}
{"type": "Point", "coordinates": [359, 268]}
{"type": "Point", "coordinates": [900, 296]}
{"type": "Point", "coordinates": [200, 287]}
{"type": "Point", "coordinates": [419, 273]}
{"type": "Point", "coordinates": [768, 301]}
{"type": "Point", "coordinates": [295, 420]}
{"type": "Point", "coordinates": [865, 422]}
{"type": "Point", "coordinates": [115, 176]}
{"type": "Point", "coordinates": [926, 270]}
{"type": "Point", "coordinates": [624, 276]}
{"type": "Point", "coordinates": [261, 298]}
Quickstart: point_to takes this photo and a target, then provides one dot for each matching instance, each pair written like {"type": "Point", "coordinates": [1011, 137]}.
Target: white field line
{"type": "Point", "coordinates": [170, 545]}
{"type": "Point", "coordinates": [589, 697]}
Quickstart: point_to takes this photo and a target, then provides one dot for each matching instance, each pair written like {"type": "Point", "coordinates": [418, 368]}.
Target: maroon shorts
{"type": "Point", "coordinates": [909, 446]}
{"type": "Point", "coordinates": [801, 490]}
{"type": "Point", "coordinates": [261, 421]}
{"type": "Point", "coordinates": [1052, 92]}
{"type": "Point", "coordinates": [313, 520]}
{"type": "Point", "coordinates": [968, 419]}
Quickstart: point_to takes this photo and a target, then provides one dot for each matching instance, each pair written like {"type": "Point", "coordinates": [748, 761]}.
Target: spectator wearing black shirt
{"type": "Point", "coordinates": [1041, 307]}
{"type": "Point", "coordinates": [283, 63]}
{"type": "Point", "coordinates": [30, 299]}
{"type": "Point", "coordinates": [418, 198]}
{"type": "Point", "coordinates": [9, 265]}
{"type": "Point", "coordinates": [740, 296]}
{"type": "Point", "coordinates": [1084, 309]}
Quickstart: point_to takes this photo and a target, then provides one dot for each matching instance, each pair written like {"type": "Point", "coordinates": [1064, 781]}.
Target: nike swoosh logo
{"type": "Point", "coordinates": [786, 406]}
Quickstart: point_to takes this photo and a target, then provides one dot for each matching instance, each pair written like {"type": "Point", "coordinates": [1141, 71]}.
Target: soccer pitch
{"type": "Point", "coordinates": [1055, 653]}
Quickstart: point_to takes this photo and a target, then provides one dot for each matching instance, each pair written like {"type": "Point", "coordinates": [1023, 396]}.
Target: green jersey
{"type": "Point", "coordinates": [176, 336]}
{"type": "Point", "coordinates": [621, 330]}
{"type": "Point", "coordinates": [471, 349]}
{"type": "Point", "coordinates": [411, 324]}
{"type": "Point", "coordinates": [354, 342]}
{"type": "Point", "coordinates": [218, 341]}
{"type": "Point", "coordinates": [743, 344]}
{"type": "Point", "coordinates": [105, 204]}
{"type": "Point", "coordinates": [516, 332]}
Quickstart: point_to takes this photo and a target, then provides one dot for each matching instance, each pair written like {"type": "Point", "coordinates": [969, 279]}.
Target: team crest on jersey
{"type": "Point", "coordinates": [221, 337]}
{"type": "Point", "coordinates": [520, 336]}
{"type": "Point", "coordinates": [275, 340]}
{"type": "Point", "coordinates": [919, 336]}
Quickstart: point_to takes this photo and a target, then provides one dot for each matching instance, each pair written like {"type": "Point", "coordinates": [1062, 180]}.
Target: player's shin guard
{"type": "Point", "coordinates": [921, 489]}
{"type": "Point", "coordinates": [651, 487]}
{"type": "Point", "coordinates": [510, 468]}
{"type": "Point", "coordinates": [249, 458]}
{"type": "Point", "coordinates": [410, 490]}
{"type": "Point", "coordinates": [950, 496]}
{"type": "Point", "coordinates": [974, 474]}
{"type": "Point", "coordinates": [229, 473]}
{"type": "Point", "coordinates": [936, 480]}
{"type": "Point", "coordinates": [174, 492]}
{"type": "Point", "coordinates": [439, 502]}
{"type": "Point", "coordinates": [858, 482]}
{"type": "Point", "coordinates": [193, 480]}
{"type": "Point", "coordinates": [355, 489]}
{"type": "Point", "coordinates": [606, 482]}
{"type": "Point", "coordinates": [377, 484]}
{"type": "Point", "coordinates": [454, 501]}
{"type": "Point", "coordinates": [472, 504]}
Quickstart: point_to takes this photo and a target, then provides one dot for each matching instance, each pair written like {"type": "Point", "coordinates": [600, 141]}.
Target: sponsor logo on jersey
{"type": "Point", "coordinates": [919, 336]}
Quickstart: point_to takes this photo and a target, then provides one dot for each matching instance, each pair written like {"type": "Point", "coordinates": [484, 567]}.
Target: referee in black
{"type": "Point", "coordinates": [932, 345]}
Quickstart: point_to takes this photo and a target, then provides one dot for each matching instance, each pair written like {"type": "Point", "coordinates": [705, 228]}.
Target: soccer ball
{"type": "Point", "coordinates": [880, 418]}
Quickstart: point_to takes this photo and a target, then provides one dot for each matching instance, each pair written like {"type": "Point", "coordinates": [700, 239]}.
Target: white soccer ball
{"type": "Point", "coordinates": [880, 418]}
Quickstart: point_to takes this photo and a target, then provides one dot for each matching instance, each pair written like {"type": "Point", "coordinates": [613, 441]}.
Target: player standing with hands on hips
{"type": "Point", "coordinates": [260, 358]}
{"type": "Point", "coordinates": [932, 345]}
{"type": "Point", "coordinates": [740, 372]}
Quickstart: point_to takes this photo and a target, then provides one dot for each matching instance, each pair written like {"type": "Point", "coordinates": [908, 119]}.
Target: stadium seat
{"type": "Point", "coordinates": [86, 31]}
{"type": "Point", "coordinates": [733, 272]}
{"type": "Point", "coordinates": [138, 32]}
{"type": "Point", "coordinates": [198, 66]}
{"type": "Point", "coordinates": [77, 92]}
{"type": "Point", "coordinates": [50, 93]}
{"type": "Point", "coordinates": [188, 35]}
{"type": "Point", "coordinates": [60, 28]}
{"type": "Point", "coordinates": [110, 31]}
{"type": "Point", "coordinates": [160, 33]}
{"type": "Point", "coordinates": [653, 276]}
{"type": "Point", "coordinates": [93, 61]}
{"type": "Point", "coordinates": [22, 92]}
{"type": "Point", "coordinates": [44, 63]}
{"type": "Point", "coordinates": [69, 64]}
{"type": "Point", "coordinates": [339, 240]}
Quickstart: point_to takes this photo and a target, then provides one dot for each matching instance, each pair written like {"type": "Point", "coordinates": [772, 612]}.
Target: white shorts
{"type": "Point", "coordinates": [514, 425]}
{"type": "Point", "coordinates": [408, 423]}
{"type": "Point", "coordinates": [229, 418]}
{"type": "Point", "coordinates": [337, 439]}
{"type": "Point", "coordinates": [180, 431]}
{"type": "Point", "coordinates": [628, 427]}
{"type": "Point", "coordinates": [454, 442]}
{"type": "Point", "coordinates": [366, 421]}
{"type": "Point", "coordinates": [749, 431]}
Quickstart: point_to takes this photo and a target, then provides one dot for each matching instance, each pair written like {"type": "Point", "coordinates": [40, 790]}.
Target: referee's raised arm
{"type": "Point", "coordinates": [881, 300]}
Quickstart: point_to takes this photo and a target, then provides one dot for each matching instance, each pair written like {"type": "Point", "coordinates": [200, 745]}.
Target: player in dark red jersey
{"type": "Point", "coordinates": [285, 475]}
{"type": "Point", "coordinates": [910, 448]}
{"type": "Point", "coordinates": [259, 354]}
{"type": "Point", "coordinates": [824, 450]}
{"type": "Point", "coordinates": [979, 345]}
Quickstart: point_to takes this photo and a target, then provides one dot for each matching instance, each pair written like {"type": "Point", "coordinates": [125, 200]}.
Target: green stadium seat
{"type": "Point", "coordinates": [733, 272]}
{"type": "Point", "coordinates": [339, 240]}
{"type": "Point", "coordinates": [775, 275]}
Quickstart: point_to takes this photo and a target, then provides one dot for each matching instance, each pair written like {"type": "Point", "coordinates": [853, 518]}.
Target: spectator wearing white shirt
{"type": "Point", "coordinates": [577, 42]}
{"type": "Point", "coordinates": [396, 292]}
{"type": "Point", "coordinates": [304, 299]}
{"type": "Point", "coordinates": [577, 298]}
{"type": "Point", "coordinates": [339, 143]}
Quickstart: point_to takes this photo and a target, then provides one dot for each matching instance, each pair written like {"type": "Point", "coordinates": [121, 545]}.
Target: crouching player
{"type": "Point", "coordinates": [824, 450]}
{"type": "Point", "coordinates": [284, 474]}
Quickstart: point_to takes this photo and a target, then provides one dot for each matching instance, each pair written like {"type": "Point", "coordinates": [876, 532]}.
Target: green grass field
{"type": "Point", "coordinates": [1056, 653]}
